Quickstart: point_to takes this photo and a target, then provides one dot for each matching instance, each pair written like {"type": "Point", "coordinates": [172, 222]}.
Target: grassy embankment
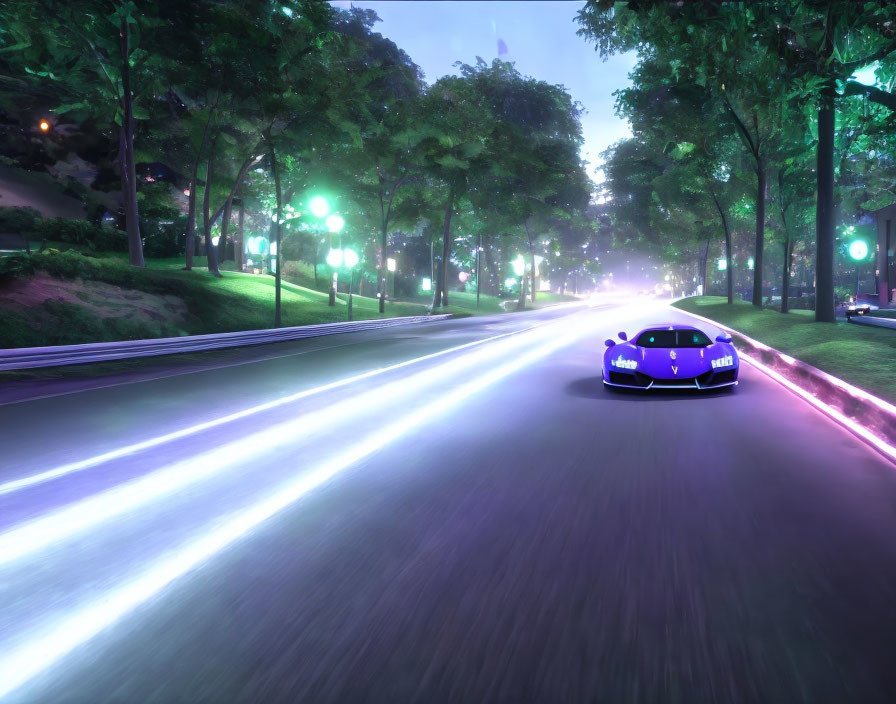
{"type": "Point", "coordinates": [69, 298]}
{"type": "Point", "coordinates": [862, 355]}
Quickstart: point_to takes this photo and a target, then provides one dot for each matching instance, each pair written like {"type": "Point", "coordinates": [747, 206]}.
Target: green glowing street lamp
{"type": "Point", "coordinates": [319, 206]}
{"type": "Point", "coordinates": [858, 252]}
{"type": "Point", "coordinates": [334, 223]}
{"type": "Point", "coordinates": [343, 259]}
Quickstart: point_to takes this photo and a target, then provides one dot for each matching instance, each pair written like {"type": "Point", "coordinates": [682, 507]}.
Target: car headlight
{"type": "Point", "coordinates": [726, 361]}
{"type": "Point", "coordinates": [621, 363]}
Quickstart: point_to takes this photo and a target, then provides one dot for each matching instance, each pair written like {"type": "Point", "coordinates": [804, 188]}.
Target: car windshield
{"type": "Point", "coordinates": [673, 338]}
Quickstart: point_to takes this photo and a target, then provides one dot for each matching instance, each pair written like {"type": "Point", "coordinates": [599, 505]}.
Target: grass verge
{"type": "Point", "coordinates": [862, 355]}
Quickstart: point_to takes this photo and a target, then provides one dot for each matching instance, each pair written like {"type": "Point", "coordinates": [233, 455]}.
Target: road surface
{"type": "Point", "coordinates": [485, 524]}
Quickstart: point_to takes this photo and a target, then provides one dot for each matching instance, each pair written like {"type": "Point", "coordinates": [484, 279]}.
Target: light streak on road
{"type": "Point", "coordinates": [133, 448]}
{"type": "Point", "coordinates": [66, 522]}
{"type": "Point", "coordinates": [50, 643]}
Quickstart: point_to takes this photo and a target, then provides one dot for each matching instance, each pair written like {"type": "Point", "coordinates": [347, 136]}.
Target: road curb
{"type": "Point", "coordinates": [865, 415]}
{"type": "Point", "coordinates": [64, 355]}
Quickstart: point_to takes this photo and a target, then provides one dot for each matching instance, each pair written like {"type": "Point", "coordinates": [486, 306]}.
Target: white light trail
{"type": "Point", "coordinates": [71, 467]}
{"type": "Point", "coordinates": [54, 641]}
{"type": "Point", "coordinates": [62, 524]}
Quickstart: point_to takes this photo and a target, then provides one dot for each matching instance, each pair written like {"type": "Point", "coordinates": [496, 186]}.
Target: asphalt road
{"type": "Point", "coordinates": [488, 524]}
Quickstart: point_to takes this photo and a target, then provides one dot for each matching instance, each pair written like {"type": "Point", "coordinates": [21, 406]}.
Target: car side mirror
{"type": "Point", "coordinates": [623, 336]}
{"type": "Point", "coordinates": [723, 338]}
{"type": "Point", "coordinates": [609, 343]}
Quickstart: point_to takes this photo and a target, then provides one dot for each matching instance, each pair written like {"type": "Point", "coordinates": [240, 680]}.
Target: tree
{"type": "Point", "coordinates": [102, 60]}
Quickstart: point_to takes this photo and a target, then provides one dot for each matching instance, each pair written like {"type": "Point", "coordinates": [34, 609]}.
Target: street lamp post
{"type": "Point", "coordinates": [348, 259]}
{"type": "Point", "coordinates": [478, 270]}
{"type": "Point", "coordinates": [334, 224]}
{"type": "Point", "coordinates": [858, 251]}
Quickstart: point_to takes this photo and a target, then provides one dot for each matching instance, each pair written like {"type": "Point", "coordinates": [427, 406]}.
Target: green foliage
{"type": "Point", "coordinates": [18, 220]}
{"type": "Point", "coordinates": [81, 232]}
{"type": "Point", "coordinates": [164, 239]}
{"type": "Point", "coordinates": [17, 265]}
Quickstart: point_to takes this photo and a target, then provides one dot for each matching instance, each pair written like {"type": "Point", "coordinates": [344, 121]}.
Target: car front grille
{"type": "Point", "coordinates": [673, 383]}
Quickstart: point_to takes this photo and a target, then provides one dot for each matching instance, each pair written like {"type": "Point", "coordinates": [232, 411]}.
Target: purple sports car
{"type": "Point", "coordinates": [670, 357]}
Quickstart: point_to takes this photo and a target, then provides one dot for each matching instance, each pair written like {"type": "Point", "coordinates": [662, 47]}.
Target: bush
{"type": "Point", "coordinates": [108, 239]}
{"type": "Point", "coordinates": [82, 232]}
{"type": "Point", "coordinates": [19, 220]}
{"type": "Point", "coordinates": [16, 265]}
{"type": "Point", "coordinates": [801, 303]}
{"type": "Point", "coordinates": [163, 241]}
{"type": "Point", "coordinates": [65, 230]}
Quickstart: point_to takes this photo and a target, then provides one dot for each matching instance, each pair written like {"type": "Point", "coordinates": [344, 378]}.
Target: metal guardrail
{"type": "Point", "coordinates": [63, 355]}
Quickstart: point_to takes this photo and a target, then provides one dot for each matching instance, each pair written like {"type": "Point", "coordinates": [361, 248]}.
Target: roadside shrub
{"type": "Point", "coordinates": [83, 233]}
{"type": "Point", "coordinates": [163, 241]}
{"type": "Point", "coordinates": [801, 303]}
{"type": "Point", "coordinates": [19, 220]}
{"type": "Point", "coordinates": [62, 265]}
{"type": "Point", "coordinates": [108, 239]}
{"type": "Point", "coordinates": [16, 266]}
{"type": "Point", "coordinates": [65, 230]}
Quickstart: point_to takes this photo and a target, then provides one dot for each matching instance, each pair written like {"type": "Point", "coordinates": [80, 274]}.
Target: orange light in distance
{"type": "Point", "coordinates": [44, 126]}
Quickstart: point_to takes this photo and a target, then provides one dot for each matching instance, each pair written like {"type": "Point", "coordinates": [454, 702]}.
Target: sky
{"type": "Point", "coordinates": [539, 37]}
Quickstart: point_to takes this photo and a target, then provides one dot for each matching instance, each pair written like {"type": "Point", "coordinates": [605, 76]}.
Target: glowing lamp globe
{"type": "Point", "coordinates": [463, 277]}
{"type": "Point", "coordinates": [349, 258]}
{"type": "Point", "coordinates": [334, 223]}
{"type": "Point", "coordinates": [858, 250]}
{"type": "Point", "coordinates": [334, 258]}
{"type": "Point", "coordinates": [319, 206]}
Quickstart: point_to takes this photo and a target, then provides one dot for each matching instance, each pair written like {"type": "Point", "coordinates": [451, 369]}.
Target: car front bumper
{"type": "Point", "coordinates": [643, 382]}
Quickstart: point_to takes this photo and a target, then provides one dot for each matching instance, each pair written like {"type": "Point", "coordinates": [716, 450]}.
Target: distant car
{"type": "Point", "coordinates": [670, 357]}
{"type": "Point", "coordinates": [857, 306]}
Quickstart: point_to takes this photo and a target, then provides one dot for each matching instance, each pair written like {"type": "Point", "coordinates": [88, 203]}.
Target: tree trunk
{"type": "Point", "coordinates": [824, 210]}
{"type": "Point", "coordinates": [240, 233]}
{"type": "Point", "coordinates": [531, 257]}
{"type": "Point", "coordinates": [225, 227]}
{"type": "Point", "coordinates": [478, 270]}
{"type": "Point", "coordinates": [384, 247]}
{"type": "Point", "coordinates": [785, 277]}
{"type": "Point", "coordinates": [728, 268]}
{"type": "Point", "coordinates": [788, 247]}
{"type": "Point", "coordinates": [440, 298]}
{"type": "Point", "coordinates": [191, 200]}
{"type": "Point", "coordinates": [703, 265]}
{"type": "Point", "coordinates": [760, 231]}
{"type": "Point", "coordinates": [276, 173]}
{"type": "Point", "coordinates": [227, 207]}
{"type": "Point", "coordinates": [128, 167]}
{"type": "Point", "coordinates": [211, 251]}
